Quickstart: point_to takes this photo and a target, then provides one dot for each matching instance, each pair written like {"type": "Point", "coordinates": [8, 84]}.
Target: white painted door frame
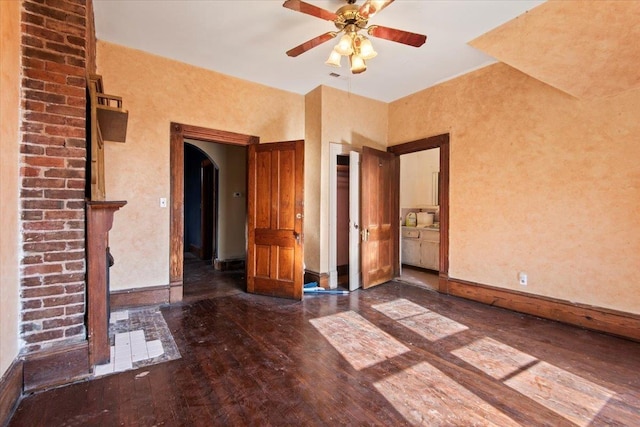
{"type": "Point", "coordinates": [354, 258]}
{"type": "Point", "coordinates": [354, 220]}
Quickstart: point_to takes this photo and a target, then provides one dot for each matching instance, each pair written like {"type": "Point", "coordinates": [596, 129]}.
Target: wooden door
{"type": "Point", "coordinates": [275, 219]}
{"type": "Point", "coordinates": [379, 224]}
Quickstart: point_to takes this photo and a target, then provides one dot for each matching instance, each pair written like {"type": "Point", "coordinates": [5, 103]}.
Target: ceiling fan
{"type": "Point", "coordinates": [351, 19]}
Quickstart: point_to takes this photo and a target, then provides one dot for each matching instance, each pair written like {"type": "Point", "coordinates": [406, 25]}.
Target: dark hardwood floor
{"type": "Point", "coordinates": [393, 355]}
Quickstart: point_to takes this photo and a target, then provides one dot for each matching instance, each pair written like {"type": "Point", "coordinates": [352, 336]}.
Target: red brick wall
{"type": "Point", "coordinates": [53, 157]}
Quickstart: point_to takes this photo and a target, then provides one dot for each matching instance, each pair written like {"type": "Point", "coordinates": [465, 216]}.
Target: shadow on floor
{"type": "Point", "coordinates": [202, 281]}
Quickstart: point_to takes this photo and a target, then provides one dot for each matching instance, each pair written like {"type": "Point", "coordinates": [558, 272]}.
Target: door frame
{"type": "Point", "coordinates": [335, 149]}
{"type": "Point", "coordinates": [442, 142]}
{"type": "Point", "coordinates": [179, 132]}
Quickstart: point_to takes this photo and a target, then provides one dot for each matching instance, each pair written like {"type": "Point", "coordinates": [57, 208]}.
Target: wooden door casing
{"type": "Point", "coordinates": [275, 219]}
{"type": "Point", "coordinates": [379, 174]}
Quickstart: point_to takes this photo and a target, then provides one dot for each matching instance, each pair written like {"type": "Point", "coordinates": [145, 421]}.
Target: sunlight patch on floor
{"type": "Point", "coordinates": [570, 396]}
{"type": "Point", "coordinates": [427, 323]}
{"type": "Point", "coordinates": [424, 395]}
{"type": "Point", "coordinates": [494, 358]}
{"type": "Point", "coordinates": [573, 397]}
{"type": "Point", "coordinates": [359, 341]}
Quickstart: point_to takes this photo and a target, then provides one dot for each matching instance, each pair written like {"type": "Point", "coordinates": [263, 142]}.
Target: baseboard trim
{"type": "Point", "coordinates": [55, 367]}
{"type": "Point", "coordinates": [321, 278]}
{"type": "Point", "coordinates": [10, 390]}
{"type": "Point", "coordinates": [625, 325]}
{"type": "Point", "coordinates": [137, 297]}
{"type": "Point", "coordinates": [196, 250]}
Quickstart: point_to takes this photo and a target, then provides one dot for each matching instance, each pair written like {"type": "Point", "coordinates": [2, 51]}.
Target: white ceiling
{"type": "Point", "coordinates": [248, 39]}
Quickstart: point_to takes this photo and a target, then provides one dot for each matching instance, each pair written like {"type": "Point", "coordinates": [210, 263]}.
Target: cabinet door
{"type": "Point", "coordinates": [430, 255]}
{"type": "Point", "coordinates": [411, 251]}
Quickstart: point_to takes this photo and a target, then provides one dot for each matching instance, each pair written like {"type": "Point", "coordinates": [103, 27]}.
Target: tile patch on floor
{"type": "Point", "coordinates": [138, 338]}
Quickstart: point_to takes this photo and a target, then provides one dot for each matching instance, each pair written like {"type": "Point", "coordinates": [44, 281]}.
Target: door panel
{"type": "Point", "coordinates": [379, 206]}
{"type": "Point", "coordinates": [275, 219]}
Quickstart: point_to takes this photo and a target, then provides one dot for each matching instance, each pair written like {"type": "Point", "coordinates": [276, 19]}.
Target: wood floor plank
{"type": "Point", "coordinates": [254, 360]}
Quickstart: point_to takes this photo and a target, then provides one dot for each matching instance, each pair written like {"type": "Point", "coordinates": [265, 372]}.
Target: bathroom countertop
{"type": "Point", "coordinates": [424, 227]}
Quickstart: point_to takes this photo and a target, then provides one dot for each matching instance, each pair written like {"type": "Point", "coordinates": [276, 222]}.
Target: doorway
{"type": "Point", "coordinates": [344, 214]}
{"type": "Point", "coordinates": [342, 220]}
{"type": "Point", "coordinates": [201, 179]}
{"type": "Point", "coordinates": [419, 218]}
{"type": "Point", "coordinates": [442, 197]}
{"type": "Point", "coordinates": [180, 133]}
{"type": "Point", "coordinates": [437, 281]}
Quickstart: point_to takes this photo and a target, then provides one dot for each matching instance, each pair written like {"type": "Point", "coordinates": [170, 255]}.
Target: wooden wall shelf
{"type": "Point", "coordinates": [112, 120]}
{"type": "Point", "coordinates": [108, 123]}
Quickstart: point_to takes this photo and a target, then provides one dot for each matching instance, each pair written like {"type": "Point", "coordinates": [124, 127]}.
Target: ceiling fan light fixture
{"type": "Point", "coordinates": [350, 20]}
{"type": "Point", "coordinates": [357, 64]}
{"type": "Point", "coordinates": [345, 45]}
{"type": "Point", "coordinates": [366, 48]}
{"type": "Point", "coordinates": [334, 59]}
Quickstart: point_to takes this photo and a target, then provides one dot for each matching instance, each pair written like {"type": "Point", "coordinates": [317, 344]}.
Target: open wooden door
{"type": "Point", "coordinates": [275, 219]}
{"type": "Point", "coordinates": [380, 180]}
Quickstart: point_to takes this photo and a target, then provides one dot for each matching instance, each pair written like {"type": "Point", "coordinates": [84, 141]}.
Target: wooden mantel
{"type": "Point", "coordinates": [99, 222]}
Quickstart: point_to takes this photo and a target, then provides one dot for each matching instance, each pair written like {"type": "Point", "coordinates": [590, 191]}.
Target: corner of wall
{"type": "Point", "coordinates": [10, 79]}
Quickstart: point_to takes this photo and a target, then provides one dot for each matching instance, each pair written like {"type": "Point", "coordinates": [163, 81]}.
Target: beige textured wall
{"type": "Point", "coordinates": [232, 211]}
{"type": "Point", "coordinates": [9, 182]}
{"type": "Point", "coordinates": [312, 178]}
{"type": "Point", "coordinates": [353, 119]}
{"type": "Point", "coordinates": [540, 182]}
{"type": "Point", "coordinates": [157, 91]}
{"type": "Point", "coordinates": [347, 119]}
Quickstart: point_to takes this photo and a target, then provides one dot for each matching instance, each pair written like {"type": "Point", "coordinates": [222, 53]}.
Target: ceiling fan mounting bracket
{"type": "Point", "coordinates": [349, 18]}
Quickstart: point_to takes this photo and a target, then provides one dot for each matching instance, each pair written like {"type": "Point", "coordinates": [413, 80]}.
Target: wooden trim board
{"type": "Point", "coordinates": [321, 278]}
{"type": "Point", "coordinates": [56, 367]}
{"type": "Point", "coordinates": [10, 391]}
{"type": "Point", "coordinates": [626, 325]}
{"type": "Point", "coordinates": [137, 297]}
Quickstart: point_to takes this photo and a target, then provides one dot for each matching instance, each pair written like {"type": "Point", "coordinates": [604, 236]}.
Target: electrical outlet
{"type": "Point", "coordinates": [522, 278]}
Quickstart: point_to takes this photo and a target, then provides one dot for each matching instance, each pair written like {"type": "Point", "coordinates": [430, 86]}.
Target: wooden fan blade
{"type": "Point", "coordinates": [399, 36]}
{"type": "Point", "coordinates": [371, 7]}
{"type": "Point", "coordinates": [309, 9]}
{"type": "Point", "coordinates": [311, 43]}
